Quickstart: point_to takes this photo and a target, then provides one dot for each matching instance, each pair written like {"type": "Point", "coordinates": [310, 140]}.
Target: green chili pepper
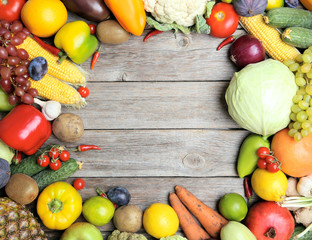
{"type": "Point", "coordinates": [248, 158]}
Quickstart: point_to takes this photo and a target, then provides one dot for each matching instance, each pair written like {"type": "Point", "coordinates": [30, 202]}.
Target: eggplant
{"type": "Point", "coordinates": [92, 10]}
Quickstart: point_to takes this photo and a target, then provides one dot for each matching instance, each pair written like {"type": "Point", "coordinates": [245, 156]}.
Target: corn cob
{"type": "Point", "coordinates": [270, 38]}
{"type": "Point", "coordinates": [66, 71]}
{"type": "Point", "coordinates": [53, 89]}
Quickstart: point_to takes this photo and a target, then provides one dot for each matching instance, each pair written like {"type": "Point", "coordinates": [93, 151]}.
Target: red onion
{"type": "Point", "coordinates": [245, 50]}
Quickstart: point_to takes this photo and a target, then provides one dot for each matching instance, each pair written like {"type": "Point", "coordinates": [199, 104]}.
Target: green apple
{"type": "Point", "coordinates": [227, 1]}
{"type": "Point", "coordinates": [82, 230]}
{"type": "Point", "coordinates": [5, 106]}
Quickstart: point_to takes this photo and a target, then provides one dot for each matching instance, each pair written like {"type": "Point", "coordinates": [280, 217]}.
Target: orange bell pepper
{"type": "Point", "coordinates": [307, 4]}
{"type": "Point", "coordinates": [129, 13]}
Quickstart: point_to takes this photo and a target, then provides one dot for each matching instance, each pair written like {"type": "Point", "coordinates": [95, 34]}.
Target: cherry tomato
{"type": "Point", "coordinates": [64, 155]}
{"type": "Point", "coordinates": [54, 153]}
{"type": "Point", "coordinates": [43, 160]}
{"type": "Point", "coordinates": [269, 159]}
{"type": "Point", "coordinates": [92, 28]}
{"type": "Point", "coordinates": [84, 92]}
{"type": "Point", "coordinates": [262, 152]}
{"type": "Point", "coordinates": [79, 183]}
{"type": "Point", "coordinates": [223, 20]}
{"type": "Point", "coordinates": [262, 163]}
{"type": "Point", "coordinates": [272, 167]}
{"type": "Point", "coordinates": [55, 165]}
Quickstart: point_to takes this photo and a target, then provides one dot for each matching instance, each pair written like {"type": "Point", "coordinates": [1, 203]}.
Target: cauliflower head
{"type": "Point", "coordinates": [181, 12]}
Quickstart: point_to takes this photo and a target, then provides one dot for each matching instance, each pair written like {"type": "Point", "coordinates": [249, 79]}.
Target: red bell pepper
{"type": "Point", "coordinates": [25, 129]}
{"type": "Point", "coordinates": [10, 10]}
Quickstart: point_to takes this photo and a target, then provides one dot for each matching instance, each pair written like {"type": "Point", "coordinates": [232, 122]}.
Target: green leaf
{"type": "Point", "coordinates": [209, 7]}
{"type": "Point", "coordinates": [167, 27]}
{"type": "Point", "coordinates": [200, 25]}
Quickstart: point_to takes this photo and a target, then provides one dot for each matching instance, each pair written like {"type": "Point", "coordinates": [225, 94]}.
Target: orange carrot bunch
{"type": "Point", "coordinates": [185, 203]}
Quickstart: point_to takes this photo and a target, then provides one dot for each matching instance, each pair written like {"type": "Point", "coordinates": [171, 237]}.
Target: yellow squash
{"type": "Point", "coordinates": [59, 205]}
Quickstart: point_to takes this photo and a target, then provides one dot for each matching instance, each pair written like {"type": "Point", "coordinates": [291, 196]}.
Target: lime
{"type": "Point", "coordinates": [233, 207]}
{"type": "Point", "coordinates": [274, 4]}
{"type": "Point", "coordinates": [98, 210]}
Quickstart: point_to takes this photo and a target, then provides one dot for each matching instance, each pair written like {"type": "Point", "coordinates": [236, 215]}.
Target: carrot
{"type": "Point", "coordinates": [191, 229]}
{"type": "Point", "coordinates": [211, 220]}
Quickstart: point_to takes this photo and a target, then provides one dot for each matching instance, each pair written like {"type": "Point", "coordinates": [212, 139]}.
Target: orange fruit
{"type": "Point", "coordinates": [44, 18]}
{"type": "Point", "coordinates": [160, 220]}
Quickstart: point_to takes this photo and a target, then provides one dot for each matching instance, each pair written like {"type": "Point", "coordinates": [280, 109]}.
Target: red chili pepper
{"type": "Point", "coordinates": [95, 57]}
{"type": "Point", "coordinates": [17, 158]}
{"type": "Point", "coordinates": [103, 194]}
{"type": "Point", "coordinates": [152, 33]}
{"type": "Point", "coordinates": [55, 51]}
{"type": "Point", "coordinates": [248, 190]}
{"type": "Point", "coordinates": [225, 42]}
{"type": "Point", "coordinates": [83, 148]}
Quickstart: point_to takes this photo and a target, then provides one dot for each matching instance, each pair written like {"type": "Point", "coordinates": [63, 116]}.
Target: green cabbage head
{"type": "Point", "coordinates": [259, 97]}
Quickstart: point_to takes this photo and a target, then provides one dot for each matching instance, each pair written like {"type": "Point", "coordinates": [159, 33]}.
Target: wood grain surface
{"type": "Point", "coordinates": [157, 110]}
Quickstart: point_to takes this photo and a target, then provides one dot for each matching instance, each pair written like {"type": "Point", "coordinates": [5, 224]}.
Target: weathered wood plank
{"type": "Point", "coordinates": [152, 105]}
{"type": "Point", "coordinates": [145, 191]}
{"type": "Point", "coordinates": [159, 153]}
{"type": "Point", "coordinates": [164, 58]}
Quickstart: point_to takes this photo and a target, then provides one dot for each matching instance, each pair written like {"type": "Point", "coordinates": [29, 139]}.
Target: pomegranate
{"type": "Point", "coordinates": [267, 221]}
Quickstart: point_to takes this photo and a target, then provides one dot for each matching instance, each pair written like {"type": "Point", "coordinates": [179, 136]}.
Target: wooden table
{"type": "Point", "coordinates": [158, 112]}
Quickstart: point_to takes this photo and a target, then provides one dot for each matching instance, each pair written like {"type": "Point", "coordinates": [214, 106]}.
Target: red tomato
{"type": "Point", "coordinates": [92, 28]}
{"type": "Point", "coordinates": [223, 20]}
{"type": "Point", "coordinates": [84, 92]}
{"type": "Point", "coordinates": [54, 153]}
{"type": "Point", "coordinates": [79, 184]}
{"type": "Point", "coordinates": [43, 160]}
{"type": "Point", "coordinates": [262, 163]}
{"type": "Point", "coordinates": [55, 165]}
{"type": "Point", "coordinates": [10, 10]}
{"type": "Point", "coordinates": [272, 167]}
{"type": "Point", "coordinates": [64, 156]}
{"type": "Point", "coordinates": [262, 152]}
{"type": "Point", "coordinates": [269, 159]}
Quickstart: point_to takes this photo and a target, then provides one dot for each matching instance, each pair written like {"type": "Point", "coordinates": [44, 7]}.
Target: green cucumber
{"type": "Point", "coordinates": [48, 176]}
{"type": "Point", "coordinates": [300, 229]}
{"type": "Point", "coordinates": [298, 37]}
{"type": "Point", "coordinates": [29, 164]}
{"type": "Point", "coordinates": [284, 17]}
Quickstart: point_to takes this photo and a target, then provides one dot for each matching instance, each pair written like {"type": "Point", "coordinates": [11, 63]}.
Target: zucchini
{"type": "Point", "coordinates": [29, 164]}
{"type": "Point", "coordinates": [48, 176]}
{"type": "Point", "coordinates": [300, 229]}
{"type": "Point", "coordinates": [284, 17]}
{"type": "Point", "coordinates": [298, 37]}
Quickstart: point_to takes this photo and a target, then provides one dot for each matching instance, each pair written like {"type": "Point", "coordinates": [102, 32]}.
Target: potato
{"type": "Point", "coordinates": [22, 188]}
{"type": "Point", "coordinates": [111, 32]}
{"type": "Point", "coordinates": [128, 218]}
{"type": "Point", "coordinates": [68, 127]}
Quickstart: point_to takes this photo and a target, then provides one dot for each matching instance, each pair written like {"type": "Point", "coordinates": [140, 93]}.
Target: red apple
{"type": "Point", "coordinates": [268, 220]}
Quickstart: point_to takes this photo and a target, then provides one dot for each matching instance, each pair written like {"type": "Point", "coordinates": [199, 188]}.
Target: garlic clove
{"type": "Point", "coordinates": [52, 110]}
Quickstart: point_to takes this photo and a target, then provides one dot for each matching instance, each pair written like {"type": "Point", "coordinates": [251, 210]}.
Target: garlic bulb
{"type": "Point", "coordinates": [304, 186]}
{"type": "Point", "coordinates": [50, 109]}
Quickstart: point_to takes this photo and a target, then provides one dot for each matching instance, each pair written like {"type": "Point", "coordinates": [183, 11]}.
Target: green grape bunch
{"type": "Point", "coordinates": [301, 111]}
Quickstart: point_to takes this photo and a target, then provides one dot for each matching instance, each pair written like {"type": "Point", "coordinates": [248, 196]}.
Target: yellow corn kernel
{"type": "Point", "coordinates": [53, 89]}
{"type": "Point", "coordinates": [269, 37]}
{"type": "Point", "coordinates": [66, 71]}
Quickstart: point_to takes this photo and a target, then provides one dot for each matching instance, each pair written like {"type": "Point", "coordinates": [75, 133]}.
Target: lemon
{"type": "Point", "coordinates": [274, 4]}
{"type": "Point", "coordinates": [269, 186]}
{"type": "Point", "coordinates": [160, 220]}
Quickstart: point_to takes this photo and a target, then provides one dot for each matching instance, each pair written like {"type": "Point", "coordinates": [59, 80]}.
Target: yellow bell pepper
{"type": "Point", "coordinates": [129, 13]}
{"type": "Point", "coordinates": [59, 205]}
